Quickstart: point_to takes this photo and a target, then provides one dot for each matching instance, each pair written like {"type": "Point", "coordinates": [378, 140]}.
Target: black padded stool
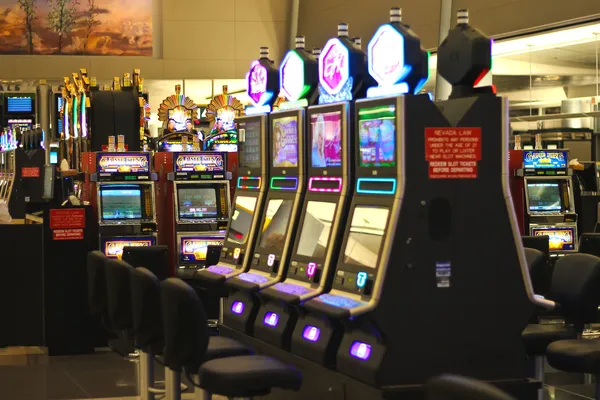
{"type": "Point", "coordinates": [189, 349]}
{"type": "Point", "coordinates": [578, 295]}
{"type": "Point", "coordinates": [96, 275]}
{"type": "Point", "coordinates": [118, 292]}
{"type": "Point", "coordinates": [451, 387]}
{"type": "Point", "coordinates": [575, 282]}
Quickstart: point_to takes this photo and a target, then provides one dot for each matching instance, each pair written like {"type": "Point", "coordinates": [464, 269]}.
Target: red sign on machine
{"type": "Point", "coordinates": [30, 172]}
{"type": "Point", "coordinates": [67, 218]}
{"type": "Point", "coordinates": [67, 234]}
{"type": "Point", "coordinates": [453, 153]}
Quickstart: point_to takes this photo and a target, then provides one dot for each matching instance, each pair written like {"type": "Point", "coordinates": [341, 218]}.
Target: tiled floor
{"type": "Point", "coordinates": [105, 375]}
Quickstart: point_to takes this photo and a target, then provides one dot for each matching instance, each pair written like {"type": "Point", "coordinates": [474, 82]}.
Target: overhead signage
{"type": "Point", "coordinates": [138, 163]}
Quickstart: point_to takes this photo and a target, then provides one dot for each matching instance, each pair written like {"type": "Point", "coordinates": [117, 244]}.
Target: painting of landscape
{"type": "Point", "coordinates": [92, 27]}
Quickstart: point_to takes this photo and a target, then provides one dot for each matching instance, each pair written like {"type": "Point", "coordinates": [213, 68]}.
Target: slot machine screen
{"type": "Point", "coordinates": [285, 142]}
{"type": "Point", "coordinates": [326, 139]}
{"type": "Point", "coordinates": [195, 202]}
{"type": "Point", "coordinates": [366, 235]}
{"type": "Point", "coordinates": [19, 105]}
{"type": "Point", "coordinates": [377, 136]}
{"type": "Point", "coordinates": [121, 202]}
{"type": "Point", "coordinates": [274, 228]}
{"type": "Point", "coordinates": [194, 249]}
{"type": "Point", "coordinates": [249, 155]}
{"type": "Point", "coordinates": [239, 227]}
{"type": "Point", "coordinates": [544, 196]}
{"type": "Point", "coordinates": [316, 229]}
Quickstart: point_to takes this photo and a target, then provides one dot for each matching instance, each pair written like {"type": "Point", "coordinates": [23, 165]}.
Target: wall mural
{"type": "Point", "coordinates": [95, 27]}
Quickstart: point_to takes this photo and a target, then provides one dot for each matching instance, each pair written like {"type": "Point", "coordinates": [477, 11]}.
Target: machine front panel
{"type": "Point", "coordinates": [243, 220]}
{"type": "Point", "coordinates": [192, 249]}
{"type": "Point", "coordinates": [201, 202]}
{"type": "Point", "coordinates": [112, 246]}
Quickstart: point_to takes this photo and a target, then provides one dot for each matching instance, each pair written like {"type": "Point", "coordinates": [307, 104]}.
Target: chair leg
{"type": "Point", "coordinates": [146, 376]}
{"type": "Point", "coordinates": [172, 384]}
{"type": "Point", "coordinates": [201, 394]}
{"type": "Point", "coordinates": [597, 387]}
{"type": "Point", "coordinates": [539, 374]}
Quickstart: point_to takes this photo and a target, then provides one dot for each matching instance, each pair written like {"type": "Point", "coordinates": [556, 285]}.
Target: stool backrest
{"type": "Point", "coordinates": [539, 270]}
{"type": "Point", "coordinates": [118, 291]}
{"type": "Point", "coordinates": [98, 302]}
{"type": "Point", "coordinates": [452, 387]}
{"type": "Point", "coordinates": [154, 258]}
{"type": "Point", "coordinates": [541, 243]}
{"type": "Point", "coordinates": [145, 306]}
{"type": "Point", "coordinates": [589, 243]}
{"type": "Point", "coordinates": [185, 326]}
{"type": "Point", "coordinates": [576, 287]}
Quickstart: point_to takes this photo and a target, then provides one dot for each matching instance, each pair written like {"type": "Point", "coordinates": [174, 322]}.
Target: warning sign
{"type": "Point", "coordinates": [453, 153]}
{"type": "Point", "coordinates": [67, 218]}
{"type": "Point", "coordinates": [67, 234]}
{"type": "Point", "coordinates": [30, 172]}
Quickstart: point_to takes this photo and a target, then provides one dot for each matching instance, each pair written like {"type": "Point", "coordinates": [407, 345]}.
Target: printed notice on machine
{"type": "Point", "coordinates": [453, 153]}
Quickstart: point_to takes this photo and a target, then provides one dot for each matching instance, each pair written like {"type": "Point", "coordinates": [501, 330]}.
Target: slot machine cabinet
{"type": "Point", "coordinates": [549, 198]}
{"type": "Point", "coordinates": [125, 200]}
{"type": "Point", "coordinates": [195, 186]}
{"type": "Point", "coordinates": [517, 190]}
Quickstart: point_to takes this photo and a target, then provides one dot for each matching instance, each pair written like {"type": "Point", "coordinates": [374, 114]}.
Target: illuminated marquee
{"type": "Point", "coordinates": [559, 239]}
{"type": "Point", "coordinates": [257, 84]}
{"type": "Point", "coordinates": [334, 68]}
{"type": "Point", "coordinates": [386, 56]}
{"type": "Point", "coordinates": [292, 77]}
{"type": "Point", "coordinates": [123, 163]}
{"type": "Point", "coordinates": [197, 248]}
{"type": "Point", "coordinates": [544, 159]}
{"type": "Point", "coordinates": [199, 162]}
{"type": "Point", "coordinates": [114, 248]}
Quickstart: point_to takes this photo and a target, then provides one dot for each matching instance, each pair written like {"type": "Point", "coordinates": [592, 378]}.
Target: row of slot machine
{"type": "Point", "coordinates": [355, 216]}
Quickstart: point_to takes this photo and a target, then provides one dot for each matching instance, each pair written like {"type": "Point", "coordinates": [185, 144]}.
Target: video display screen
{"type": "Point", "coordinates": [366, 235]}
{"type": "Point", "coordinates": [274, 228]}
{"type": "Point", "coordinates": [560, 239]}
{"type": "Point", "coordinates": [241, 220]}
{"type": "Point", "coordinates": [249, 151]}
{"type": "Point", "coordinates": [196, 202]}
{"type": "Point", "coordinates": [326, 140]}
{"type": "Point", "coordinates": [194, 249]}
{"type": "Point", "coordinates": [316, 229]}
{"type": "Point", "coordinates": [121, 202]}
{"type": "Point", "coordinates": [19, 104]}
{"type": "Point", "coordinates": [377, 136]}
{"type": "Point", "coordinates": [544, 196]}
{"type": "Point", "coordinates": [285, 142]}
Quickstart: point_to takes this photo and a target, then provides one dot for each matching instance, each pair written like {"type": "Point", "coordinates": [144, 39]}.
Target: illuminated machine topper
{"type": "Point", "coordinates": [334, 66]}
{"type": "Point", "coordinates": [113, 248]}
{"type": "Point", "coordinates": [298, 75]}
{"type": "Point", "coordinates": [199, 162]}
{"type": "Point", "coordinates": [135, 163]}
{"type": "Point", "coordinates": [560, 239]}
{"type": "Point", "coordinates": [394, 53]}
{"type": "Point", "coordinates": [543, 159]}
{"type": "Point", "coordinates": [196, 248]}
{"type": "Point", "coordinates": [263, 82]}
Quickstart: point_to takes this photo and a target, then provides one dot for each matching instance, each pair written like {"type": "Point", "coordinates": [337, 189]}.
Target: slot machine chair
{"type": "Point", "coordinates": [154, 258]}
{"type": "Point", "coordinates": [188, 350]}
{"type": "Point", "coordinates": [118, 296]}
{"type": "Point", "coordinates": [452, 387]}
{"type": "Point", "coordinates": [576, 291]}
{"type": "Point", "coordinates": [97, 299]}
{"type": "Point", "coordinates": [589, 243]}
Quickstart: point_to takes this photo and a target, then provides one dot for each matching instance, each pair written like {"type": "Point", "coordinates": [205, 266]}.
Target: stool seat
{"type": "Point", "coordinates": [221, 347]}
{"type": "Point", "coordinates": [579, 355]}
{"type": "Point", "coordinates": [537, 337]}
{"type": "Point", "coordinates": [247, 376]}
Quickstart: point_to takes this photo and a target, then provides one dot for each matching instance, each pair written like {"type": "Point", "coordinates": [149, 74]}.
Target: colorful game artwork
{"type": "Point", "coordinates": [326, 140]}
{"type": "Point", "coordinates": [285, 142]}
{"type": "Point", "coordinates": [377, 133]}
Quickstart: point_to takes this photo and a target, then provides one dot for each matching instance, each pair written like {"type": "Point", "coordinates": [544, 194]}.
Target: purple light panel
{"type": "Point", "coordinates": [253, 278]}
{"type": "Point", "coordinates": [311, 333]}
{"type": "Point", "coordinates": [220, 269]}
{"type": "Point", "coordinates": [312, 268]}
{"type": "Point", "coordinates": [360, 350]}
{"type": "Point", "coordinates": [271, 319]}
{"type": "Point", "coordinates": [325, 178]}
{"type": "Point", "coordinates": [290, 288]}
{"type": "Point", "coordinates": [237, 307]}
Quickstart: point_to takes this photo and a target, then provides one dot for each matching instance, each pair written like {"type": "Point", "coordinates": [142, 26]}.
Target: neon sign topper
{"type": "Point", "coordinates": [334, 66]}
{"type": "Point", "coordinates": [291, 77]}
{"type": "Point", "coordinates": [386, 56]}
{"type": "Point", "coordinates": [257, 84]}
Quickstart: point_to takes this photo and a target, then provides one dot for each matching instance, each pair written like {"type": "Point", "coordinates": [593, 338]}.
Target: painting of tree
{"type": "Point", "coordinates": [61, 18]}
{"type": "Point", "coordinates": [29, 8]}
{"type": "Point", "coordinates": [76, 27]}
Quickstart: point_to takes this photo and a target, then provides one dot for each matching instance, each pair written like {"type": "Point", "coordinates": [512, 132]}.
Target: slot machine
{"type": "Point", "coordinates": [367, 237]}
{"type": "Point", "coordinates": [549, 198]}
{"type": "Point", "coordinates": [269, 259]}
{"type": "Point", "coordinates": [252, 182]}
{"type": "Point", "coordinates": [125, 200]}
{"type": "Point", "coordinates": [315, 249]}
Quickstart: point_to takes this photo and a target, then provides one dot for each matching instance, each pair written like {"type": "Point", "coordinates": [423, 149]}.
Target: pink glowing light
{"type": "Point", "coordinates": [325, 179]}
